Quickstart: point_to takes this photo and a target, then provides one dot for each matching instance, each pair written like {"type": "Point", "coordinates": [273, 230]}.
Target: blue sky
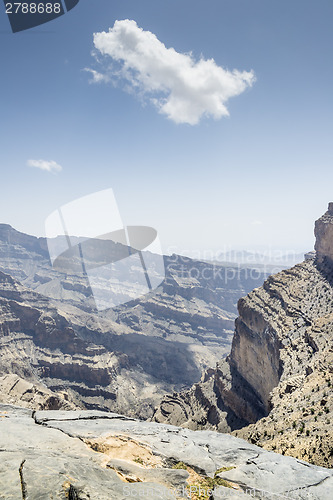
{"type": "Point", "coordinates": [257, 178]}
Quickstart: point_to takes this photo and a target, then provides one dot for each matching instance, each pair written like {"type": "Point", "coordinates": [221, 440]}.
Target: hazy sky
{"type": "Point", "coordinates": [211, 120]}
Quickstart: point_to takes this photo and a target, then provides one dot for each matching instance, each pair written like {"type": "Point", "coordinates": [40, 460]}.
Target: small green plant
{"type": "Point", "coordinates": [138, 460]}
{"type": "Point", "coordinates": [223, 469]}
{"type": "Point", "coordinates": [180, 465]}
{"type": "Point", "coordinates": [218, 481]}
{"type": "Point", "coordinates": [307, 432]}
{"type": "Point", "coordinates": [206, 484]}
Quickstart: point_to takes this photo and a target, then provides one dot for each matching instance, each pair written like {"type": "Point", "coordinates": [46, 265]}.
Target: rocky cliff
{"type": "Point", "coordinates": [324, 237]}
{"type": "Point", "coordinates": [278, 377]}
{"type": "Point", "coordinates": [57, 351]}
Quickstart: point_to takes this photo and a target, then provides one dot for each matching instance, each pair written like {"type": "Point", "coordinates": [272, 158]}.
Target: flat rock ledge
{"type": "Point", "coordinates": [81, 455]}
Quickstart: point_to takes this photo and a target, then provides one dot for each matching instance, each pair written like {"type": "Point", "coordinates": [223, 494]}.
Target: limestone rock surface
{"type": "Point", "coordinates": [105, 456]}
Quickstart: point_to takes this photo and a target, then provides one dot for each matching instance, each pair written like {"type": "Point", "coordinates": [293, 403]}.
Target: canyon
{"type": "Point", "coordinates": [160, 397]}
{"type": "Point", "coordinates": [58, 351]}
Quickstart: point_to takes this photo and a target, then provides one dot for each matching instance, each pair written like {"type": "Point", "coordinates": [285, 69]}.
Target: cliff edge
{"type": "Point", "coordinates": [275, 387]}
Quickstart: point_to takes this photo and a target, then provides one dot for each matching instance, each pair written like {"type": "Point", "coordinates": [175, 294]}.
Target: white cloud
{"type": "Point", "coordinates": [180, 87]}
{"type": "Point", "coordinates": [48, 166]}
{"type": "Point", "coordinates": [97, 77]}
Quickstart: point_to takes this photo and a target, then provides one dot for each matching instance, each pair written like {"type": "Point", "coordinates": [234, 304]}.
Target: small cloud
{"type": "Point", "coordinates": [48, 166]}
{"type": "Point", "coordinates": [257, 223]}
{"type": "Point", "coordinates": [97, 77]}
{"type": "Point", "coordinates": [180, 87]}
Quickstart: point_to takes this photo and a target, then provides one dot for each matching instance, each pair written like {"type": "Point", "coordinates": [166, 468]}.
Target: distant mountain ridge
{"type": "Point", "coordinates": [271, 258]}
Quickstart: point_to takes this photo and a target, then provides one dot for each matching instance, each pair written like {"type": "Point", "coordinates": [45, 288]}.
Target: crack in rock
{"type": "Point", "coordinates": [311, 485]}
{"type": "Point", "coordinates": [251, 460]}
{"type": "Point", "coordinates": [23, 483]}
{"type": "Point", "coordinates": [72, 493]}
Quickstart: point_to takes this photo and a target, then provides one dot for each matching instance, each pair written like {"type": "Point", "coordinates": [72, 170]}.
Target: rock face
{"type": "Point", "coordinates": [13, 388]}
{"type": "Point", "coordinates": [99, 455]}
{"type": "Point", "coordinates": [324, 236]}
{"type": "Point", "coordinates": [57, 351]}
{"type": "Point", "coordinates": [279, 374]}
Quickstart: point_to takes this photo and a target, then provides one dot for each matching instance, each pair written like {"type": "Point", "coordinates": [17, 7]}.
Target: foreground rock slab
{"type": "Point", "coordinates": [100, 455]}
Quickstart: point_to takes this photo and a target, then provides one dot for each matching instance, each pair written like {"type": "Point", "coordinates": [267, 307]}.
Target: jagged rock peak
{"type": "Point", "coordinates": [324, 236]}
